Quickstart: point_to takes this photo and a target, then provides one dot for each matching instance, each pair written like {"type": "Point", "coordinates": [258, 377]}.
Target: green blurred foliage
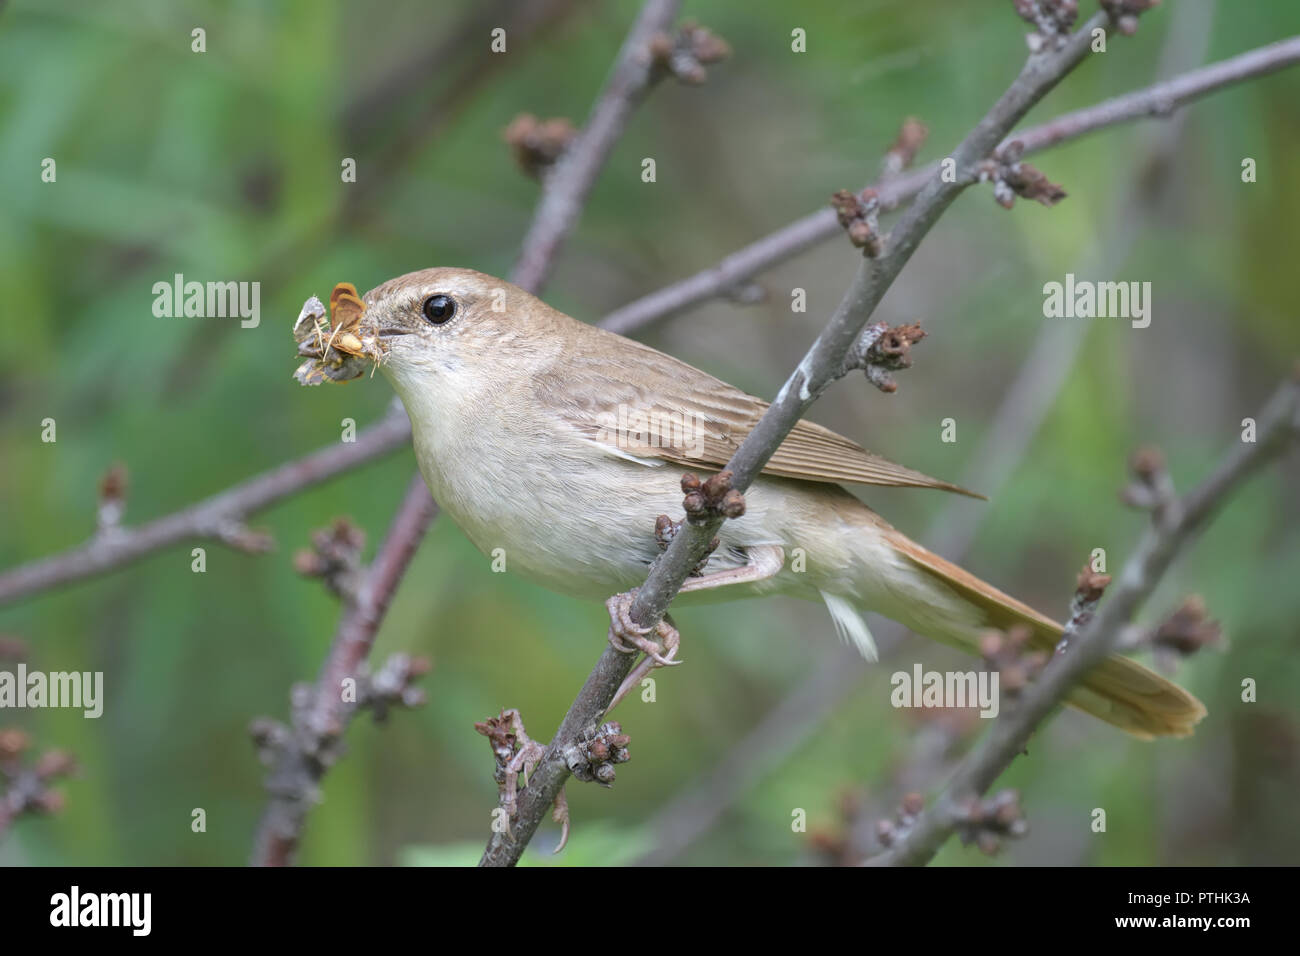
{"type": "Point", "coordinates": [225, 165]}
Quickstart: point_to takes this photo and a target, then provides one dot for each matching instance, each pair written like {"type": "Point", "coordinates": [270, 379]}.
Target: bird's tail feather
{"type": "Point", "coordinates": [1119, 690]}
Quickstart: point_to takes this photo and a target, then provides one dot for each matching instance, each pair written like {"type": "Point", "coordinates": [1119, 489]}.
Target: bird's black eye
{"type": "Point", "coordinates": [439, 308]}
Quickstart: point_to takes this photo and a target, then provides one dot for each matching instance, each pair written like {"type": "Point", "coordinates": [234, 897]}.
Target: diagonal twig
{"type": "Point", "coordinates": [1158, 100]}
{"type": "Point", "coordinates": [300, 755]}
{"type": "Point", "coordinates": [1044, 372]}
{"type": "Point", "coordinates": [219, 517]}
{"type": "Point", "coordinates": [566, 189]}
{"type": "Point", "coordinates": [1175, 523]}
{"type": "Point", "coordinates": [824, 363]}
{"type": "Point", "coordinates": [253, 495]}
{"type": "Point", "coordinates": [573, 177]}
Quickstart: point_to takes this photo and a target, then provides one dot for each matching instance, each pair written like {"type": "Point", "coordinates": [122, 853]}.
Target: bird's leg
{"type": "Point", "coordinates": [628, 637]}
{"type": "Point", "coordinates": [764, 562]}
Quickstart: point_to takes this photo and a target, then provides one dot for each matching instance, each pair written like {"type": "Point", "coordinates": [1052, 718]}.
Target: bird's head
{"type": "Point", "coordinates": [455, 332]}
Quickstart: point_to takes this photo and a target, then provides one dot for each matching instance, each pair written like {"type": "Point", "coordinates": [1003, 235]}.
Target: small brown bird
{"type": "Point", "coordinates": [562, 443]}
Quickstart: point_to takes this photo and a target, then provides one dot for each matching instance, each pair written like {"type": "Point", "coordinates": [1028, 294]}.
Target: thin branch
{"type": "Point", "coordinates": [825, 362]}
{"type": "Point", "coordinates": [193, 522]}
{"type": "Point", "coordinates": [679, 823]}
{"type": "Point", "coordinates": [219, 517]}
{"type": "Point", "coordinates": [1158, 100]}
{"type": "Point", "coordinates": [566, 191]}
{"type": "Point", "coordinates": [300, 755]}
{"type": "Point", "coordinates": [682, 821]}
{"type": "Point", "coordinates": [575, 174]}
{"type": "Point", "coordinates": [782, 730]}
{"type": "Point", "coordinates": [296, 757]}
{"type": "Point", "coordinates": [1025, 403]}
{"type": "Point", "coordinates": [1176, 521]}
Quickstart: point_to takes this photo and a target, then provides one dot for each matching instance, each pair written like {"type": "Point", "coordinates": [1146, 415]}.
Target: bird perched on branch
{"type": "Point", "coordinates": [563, 443]}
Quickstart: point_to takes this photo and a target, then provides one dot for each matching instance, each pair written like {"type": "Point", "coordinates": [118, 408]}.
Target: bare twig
{"type": "Point", "coordinates": [733, 272]}
{"type": "Point", "coordinates": [1175, 522]}
{"type": "Point", "coordinates": [575, 173]}
{"type": "Point", "coordinates": [1158, 100]}
{"type": "Point", "coordinates": [299, 755]}
{"type": "Point", "coordinates": [1044, 372]}
{"type": "Point", "coordinates": [296, 766]}
{"type": "Point", "coordinates": [825, 362]}
{"type": "Point", "coordinates": [219, 518]}
{"type": "Point", "coordinates": [681, 821]}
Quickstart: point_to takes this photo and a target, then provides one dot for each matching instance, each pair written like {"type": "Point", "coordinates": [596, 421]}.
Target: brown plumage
{"type": "Point", "coordinates": [1119, 690]}
{"type": "Point", "coordinates": [561, 443]}
{"type": "Point", "coordinates": [716, 416]}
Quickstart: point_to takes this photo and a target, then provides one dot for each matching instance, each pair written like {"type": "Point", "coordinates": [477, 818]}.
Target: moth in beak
{"type": "Point", "coordinates": [337, 348]}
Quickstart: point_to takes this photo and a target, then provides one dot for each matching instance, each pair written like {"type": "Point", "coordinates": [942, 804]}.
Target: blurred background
{"type": "Point", "coordinates": [225, 165]}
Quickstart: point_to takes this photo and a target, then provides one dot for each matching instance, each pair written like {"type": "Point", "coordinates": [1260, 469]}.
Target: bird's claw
{"type": "Point", "coordinates": [628, 637]}
{"type": "Point", "coordinates": [560, 814]}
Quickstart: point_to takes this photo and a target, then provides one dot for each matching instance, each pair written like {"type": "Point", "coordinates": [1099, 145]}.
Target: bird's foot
{"type": "Point", "coordinates": [628, 637]}
{"type": "Point", "coordinates": [525, 762]}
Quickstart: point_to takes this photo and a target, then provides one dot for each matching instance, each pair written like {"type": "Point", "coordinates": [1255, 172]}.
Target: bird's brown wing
{"type": "Point", "coordinates": [640, 403]}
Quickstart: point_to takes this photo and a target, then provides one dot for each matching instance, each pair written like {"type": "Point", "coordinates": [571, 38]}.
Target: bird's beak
{"type": "Point", "coordinates": [373, 326]}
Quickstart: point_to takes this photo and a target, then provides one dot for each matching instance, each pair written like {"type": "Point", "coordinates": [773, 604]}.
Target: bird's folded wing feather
{"type": "Point", "coordinates": [641, 404]}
